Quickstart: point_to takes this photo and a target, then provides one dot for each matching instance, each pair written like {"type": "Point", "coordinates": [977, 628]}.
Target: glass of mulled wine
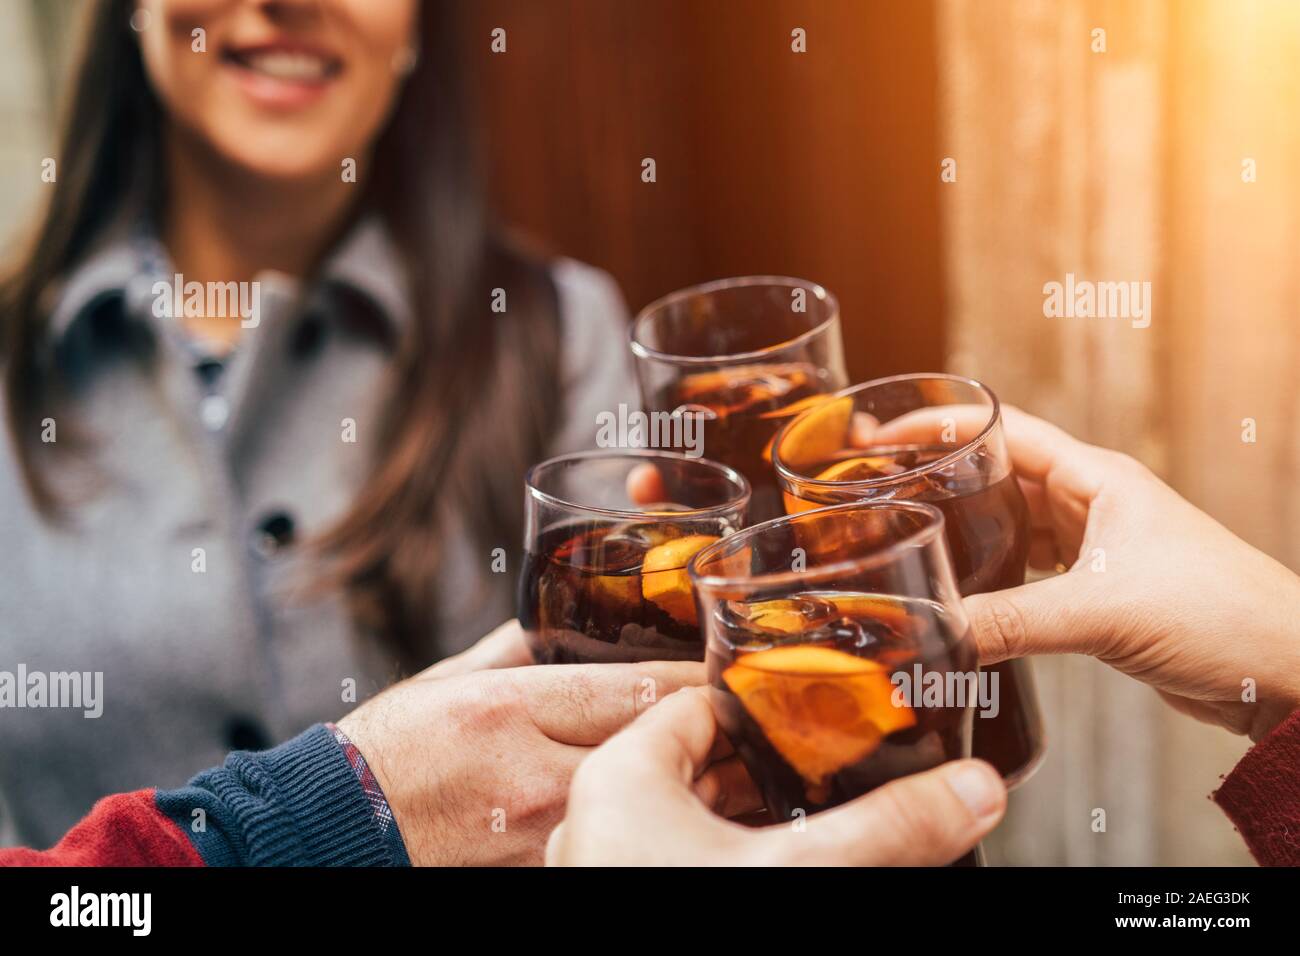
{"type": "Point", "coordinates": [608, 535]}
{"type": "Point", "coordinates": [939, 439]}
{"type": "Point", "coordinates": [821, 629]}
{"type": "Point", "coordinates": [745, 355]}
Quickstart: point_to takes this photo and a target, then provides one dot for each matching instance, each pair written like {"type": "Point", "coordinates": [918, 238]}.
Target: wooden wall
{"type": "Point", "coordinates": [822, 165]}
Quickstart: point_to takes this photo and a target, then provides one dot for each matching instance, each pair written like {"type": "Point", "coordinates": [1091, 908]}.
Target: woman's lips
{"type": "Point", "coordinates": [282, 76]}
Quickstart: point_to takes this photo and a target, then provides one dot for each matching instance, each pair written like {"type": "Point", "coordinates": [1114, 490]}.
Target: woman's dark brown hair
{"type": "Point", "coordinates": [458, 375]}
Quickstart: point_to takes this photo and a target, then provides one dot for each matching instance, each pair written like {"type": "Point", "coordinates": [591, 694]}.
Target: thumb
{"type": "Point", "coordinates": [665, 748]}
{"type": "Point", "coordinates": [506, 646]}
{"type": "Point", "coordinates": [645, 485]}
{"type": "Point", "coordinates": [1058, 615]}
{"type": "Point", "coordinates": [926, 819]}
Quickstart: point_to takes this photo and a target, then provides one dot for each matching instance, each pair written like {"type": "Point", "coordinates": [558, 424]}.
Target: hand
{"type": "Point", "coordinates": [1155, 588]}
{"type": "Point", "coordinates": [648, 797]}
{"type": "Point", "coordinates": [645, 485]}
{"type": "Point", "coordinates": [476, 766]}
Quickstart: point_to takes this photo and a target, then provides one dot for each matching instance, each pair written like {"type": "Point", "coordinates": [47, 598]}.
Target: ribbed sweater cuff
{"type": "Point", "coordinates": [332, 823]}
{"type": "Point", "coordinates": [298, 804]}
{"type": "Point", "coordinates": [1262, 796]}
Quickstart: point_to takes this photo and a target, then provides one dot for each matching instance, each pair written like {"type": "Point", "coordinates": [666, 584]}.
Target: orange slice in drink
{"type": "Point", "coordinates": [817, 434]}
{"type": "Point", "coordinates": [794, 408]}
{"type": "Point", "coordinates": [730, 390]}
{"type": "Point", "coordinates": [821, 709]}
{"type": "Point", "coordinates": [621, 591]}
{"type": "Point", "coordinates": [664, 580]}
{"type": "Point", "coordinates": [857, 469]}
{"type": "Point", "coordinates": [608, 565]}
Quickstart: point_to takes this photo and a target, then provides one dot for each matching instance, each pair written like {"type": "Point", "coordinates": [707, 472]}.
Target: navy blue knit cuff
{"type": "Point", "coordinates": [298, 804]}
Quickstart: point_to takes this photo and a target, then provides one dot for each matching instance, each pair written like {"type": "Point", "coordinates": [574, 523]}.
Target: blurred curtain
{"type": "Point", "coordinates": [1120, 165]}
{"type": "Point", "coordinates": [769, 161]}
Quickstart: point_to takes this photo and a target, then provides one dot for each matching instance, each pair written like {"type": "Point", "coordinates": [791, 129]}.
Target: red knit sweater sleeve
{"type": "Point", "coordinates": [1262, 796]}
{"type": "Point", "coordinates": [126, 829]}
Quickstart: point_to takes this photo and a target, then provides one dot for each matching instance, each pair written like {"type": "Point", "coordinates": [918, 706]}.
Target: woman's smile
{"type": "Point", "coordinates": [282, 74]}
{"type": "Point", "coordinates": [280, 91]}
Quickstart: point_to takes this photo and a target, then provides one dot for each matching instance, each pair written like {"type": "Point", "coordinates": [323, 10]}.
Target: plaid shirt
{"type": "Point", "coordinates": [374, 794]}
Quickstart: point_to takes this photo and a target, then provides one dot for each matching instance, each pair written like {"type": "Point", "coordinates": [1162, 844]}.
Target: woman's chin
{"type": "Point", "coordinates": [286, 159]}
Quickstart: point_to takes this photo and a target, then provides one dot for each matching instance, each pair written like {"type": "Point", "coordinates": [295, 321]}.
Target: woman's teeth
{"type": "Point", "coordinates": [288, 66]}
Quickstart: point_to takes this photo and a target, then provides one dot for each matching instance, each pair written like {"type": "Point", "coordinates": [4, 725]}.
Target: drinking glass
{"type": "Point", "coordinates": [935, 438]}
{"type": "Point", "coordinates": [822, 630]}
{"type": "Point", "coordinates": [604, 576]}
{"type": "Point", "coordinates": [745, 355]}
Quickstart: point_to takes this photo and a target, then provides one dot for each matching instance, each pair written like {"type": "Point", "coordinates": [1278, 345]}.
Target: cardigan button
{"type": "Point", "coordinates": [274, 533]}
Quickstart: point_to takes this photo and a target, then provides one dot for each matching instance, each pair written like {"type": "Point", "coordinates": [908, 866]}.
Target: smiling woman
{"type": "Point", "coordinates": [283, 95]}
{"type": "Point", "coordinates": [241, 523]}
